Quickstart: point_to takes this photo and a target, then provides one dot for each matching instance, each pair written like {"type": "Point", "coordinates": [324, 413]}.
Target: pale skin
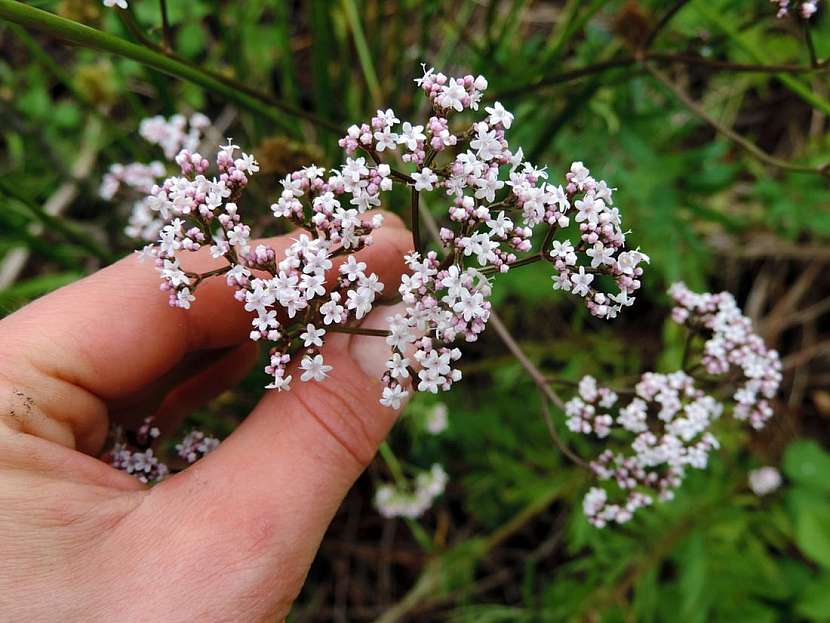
{"type": "Point", "coordinates": [229, 539]}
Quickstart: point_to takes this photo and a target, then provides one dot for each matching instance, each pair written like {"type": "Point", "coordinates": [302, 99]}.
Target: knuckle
{"type": "Point", "coordinates": [340, 411]}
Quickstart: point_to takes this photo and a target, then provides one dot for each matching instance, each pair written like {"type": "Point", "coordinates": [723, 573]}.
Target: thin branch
{"type": "Point", "coordinates": [167, 34]}
{"type": "Point", "coordinates": [547, 393]}
{"type": "Point", "coordinates": [530, 259]}
{"type": "Point", "coordinates": [358, 331]}
{"type": "Point", "coordinates": [659, 57]}
{"type": "Point", "coordinates": [415, 221]}
{"type": "Point", "coordinates": [808, 39]}
{"type": "Point", "coordinates": [663, 22]}
{"type": "Point", "coordinates": [689, 59]}
{"type": "Point", "coordinates": [563, 447]}
{"type": "Point", "coordinates": [155, 57]}
{"type": "Point", "coordinates": [736, 138]}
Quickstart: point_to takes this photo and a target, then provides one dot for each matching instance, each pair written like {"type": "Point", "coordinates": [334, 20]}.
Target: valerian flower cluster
{"type": "Point", "coordinates": [137, 179]}
{"type": "Point", "coordinates": [665, 428]}
{"type": "Point", "coordinates": [411, 500]}
{"type": "Point", "coordinates": [495, 199]}
{"type": "Point", "coordinates": [764, 480]}
{"type": "Point", "coordinates": [806, 8]}
{"type": "Point", "coordinates": [132, 452]}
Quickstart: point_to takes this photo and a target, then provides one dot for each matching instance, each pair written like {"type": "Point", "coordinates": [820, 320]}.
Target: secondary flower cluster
{"type": "Point", "coordinates": [806, 8]}
{"type": "Point", "coordinates": [137, 179]}
{"type": "Point", "coordinates": [132, 452]}
{"type": "Point", "coordinates": [412, 500]}
{"type": "Point", "coordinates": [731, 347]}
{"type": "Point", "coordinates": [669, 421]}
{"type": "Point", "coordinates": [196, 445]}
{"type": "Point", "coordinates": [764, 480]}
{"type": "Point", "coordinates": [666, 426]}
{"type": "Point", "coordinates": [495, 200]}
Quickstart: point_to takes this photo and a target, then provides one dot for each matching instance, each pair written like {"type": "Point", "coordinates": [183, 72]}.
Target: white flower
{"type": "Point", "coordinates": [312, 336]}
{"type": "Point", "coordinates": [280, 382]}
{"type": "Point", "coordinates": [352, 269]}
{"type": "Point", "coordinates": [452, 95]}
{"type": "Point", "coordinates": [588, 209]}
{"type": "Point", "coordinates": [764, 480]}
{"type": "Point", "coordinates": [600, 254]}
{"type": "Point", "coordinates": [314, 368]}
{"type": "Point", "coordinates": [437, 419]}
{"type": "Point", "coordinates": [581, 282]}
{"type": "Point", "coordinates": [424, 179]}
{"type": "Point", "coordinates": [121, 4]}
{"type": "Point", "coordinates": [398, 366]}
{"type": "Point", "coordinates": [385, 139]}
{"type": "Point", "coordinates": [247, 164]}
{"type": "Point", "coordinates": [393, 396]}
{"type": "Point", "coordinates": [410, 135]}
{"type": "Point", "coordinates": [498, 114]}
{"type": "Point", "coordinates": [184, 298]}
{"type": "Point", "coordinates": [501, 225]}
{"type": "Point", "coordinates": [487, 187]}
{"type": "Point", "coordinates": [388, 117]}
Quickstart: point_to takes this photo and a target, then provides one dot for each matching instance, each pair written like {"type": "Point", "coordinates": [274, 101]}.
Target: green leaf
{"type": "Point", "coordinates": [807, 463]}
{"type": "Point", "coordinates": [814, 603]}
{"type": "Point", "coordinates": [812, 528]}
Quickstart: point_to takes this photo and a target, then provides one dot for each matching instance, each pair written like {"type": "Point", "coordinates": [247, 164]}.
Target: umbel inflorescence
{"type": "Point", "coordinates": [494, 200]}
{"type": "Point", "coordinates": [666, 425]}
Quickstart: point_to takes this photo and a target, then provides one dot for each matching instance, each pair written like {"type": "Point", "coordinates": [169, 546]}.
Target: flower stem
{"type": "Point", "coordinates": [165, 26]}
{"type": "Point", "coordinates": [415, 222]}
{"type": "Point", "coordinates": [385, 451]}
{"type": "Point", "coordinates": [358, 331]}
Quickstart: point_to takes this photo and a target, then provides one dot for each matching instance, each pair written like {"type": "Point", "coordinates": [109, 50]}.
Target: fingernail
{"type": "Point", "coordinates": [370, 352]}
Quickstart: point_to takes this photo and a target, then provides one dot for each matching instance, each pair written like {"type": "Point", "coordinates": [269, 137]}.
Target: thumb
{"type": "Point", "coordinates": [274, 485]}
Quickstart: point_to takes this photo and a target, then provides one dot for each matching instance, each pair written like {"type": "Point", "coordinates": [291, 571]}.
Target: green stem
{"type": "Point", "coordinates": [358, 331]}
{"type": "Point", "coordinates": [418, 532]}
{"type": "Point", "coordinates": [79, 34]}
{"type": "Point", "coordinates": [363, 52]}
{"type": "Point", "coordinates": [729, 133]}
{"type": "Point", "coordinates": [49, 221]}
{"type": "Point", "coordinates": [415, 222]}
{"type": "Point", "coordinates": [385, 451]}
{"type": "Point", "coordinates": [791, 82]}
{"type": "Point", "coordinates": [167, 34]}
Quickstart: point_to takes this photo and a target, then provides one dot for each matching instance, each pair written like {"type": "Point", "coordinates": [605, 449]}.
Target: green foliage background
{"type": "Point", "coordinates": [508, 542]}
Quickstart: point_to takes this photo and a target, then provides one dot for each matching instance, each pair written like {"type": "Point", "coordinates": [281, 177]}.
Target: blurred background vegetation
{"type": "Point", "coordinates": [720, 177]}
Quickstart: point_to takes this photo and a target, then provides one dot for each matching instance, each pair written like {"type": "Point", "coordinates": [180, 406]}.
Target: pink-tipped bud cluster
{"type": "Point", "coordinates": [731, 346]}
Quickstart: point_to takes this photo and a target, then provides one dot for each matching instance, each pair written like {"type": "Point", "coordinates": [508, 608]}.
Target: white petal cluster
{"type": "Point", "coordinates": [443, 304]}
{"type": "Point", "coordinates": [415, 499]}
{"type": "Point", "coordinates": [175, 133]}
{"type": "Point", "coordinates": [437, 419]}
{"type": "Point", "coordinates": [291, 297]}
{"type": "Point", "coordinates": [764, 480]}
{"type": "Point", "coordinates": [142, 464]}
{"type": "Point", "coordinates": [495, 200]}
{"type": "Point", "coordinates": [196, 445]}
{"type": "Point", "coordinates": [668, 422]}
{"type": "Point", "coordinates": [806, 8]}
{"type": "Point", "coordinates": [601, 244]}
{"type": "Point", "coordinates": [135, 181]}
{"type": "Point", "coordinates": [732, 345]}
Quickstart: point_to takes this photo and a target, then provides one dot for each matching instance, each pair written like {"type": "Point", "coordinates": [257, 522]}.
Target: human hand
{"type": "Point", "coordinates": [230, 538]}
